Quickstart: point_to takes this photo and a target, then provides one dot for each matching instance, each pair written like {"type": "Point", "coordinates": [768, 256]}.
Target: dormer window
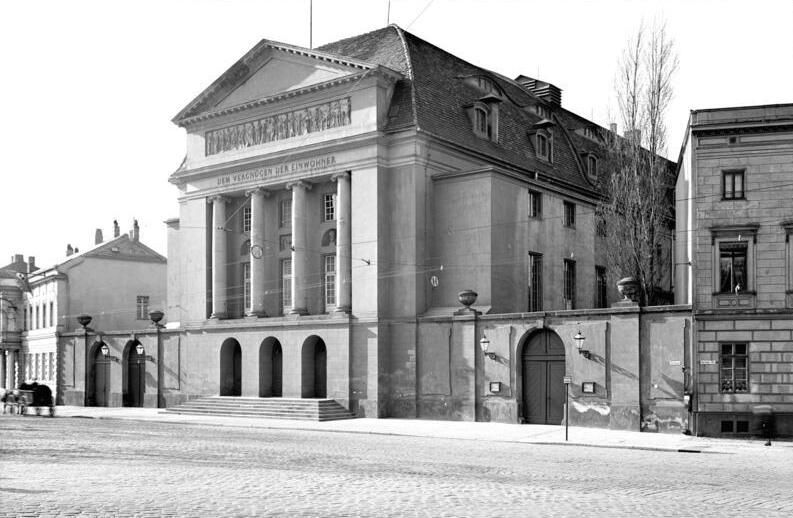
{"type": "Point", "coordinates": [484, 118]}
{"type": "Point", "coordinates": [592, 166]}
{"type": "Point", "coordinates": [544, 146]}
{"type": "Point", "coordinates": [542, 111]}
{"type": "Point", "coordinates": [481, 124]}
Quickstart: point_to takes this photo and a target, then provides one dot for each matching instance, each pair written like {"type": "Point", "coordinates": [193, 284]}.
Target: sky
{"type": "Point", "coordinates": [90, 86]}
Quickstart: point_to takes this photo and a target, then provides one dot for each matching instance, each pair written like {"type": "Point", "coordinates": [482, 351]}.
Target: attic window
{"type": "Point", "coordinates": [114, 249]}
{"type": "Point", "coordinates": [592, 166]}
{"type": "Point", "coordinates": [542, 111]}
{"type": "Point", "coordinates": [544, 145]}
{"type": "Point", "coordinates": [484, 119]}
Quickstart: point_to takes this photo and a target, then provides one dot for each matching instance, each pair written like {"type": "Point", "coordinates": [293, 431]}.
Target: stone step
{"type": "Point", "coordinates": [273, 408]}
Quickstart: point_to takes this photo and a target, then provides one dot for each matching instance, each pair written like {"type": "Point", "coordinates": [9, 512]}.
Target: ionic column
{"type": "Point", "coordinates": [343, 243]}
{"type": "Point", "coordinates": [219, 256]}
{"type": "Point", "coordinates": [257, 251]}
{"type": "Point", "coordinates": [299, 242]}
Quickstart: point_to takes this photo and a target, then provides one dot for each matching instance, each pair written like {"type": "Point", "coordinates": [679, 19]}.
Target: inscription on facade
{"type": "Point", "coordinates": [313, 119]}
{"type": "Point", "coordinates": [287, 168]}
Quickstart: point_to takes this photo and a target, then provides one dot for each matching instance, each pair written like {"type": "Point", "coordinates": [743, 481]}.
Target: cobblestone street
{"type": "Point", "coordinates": [92, 467]}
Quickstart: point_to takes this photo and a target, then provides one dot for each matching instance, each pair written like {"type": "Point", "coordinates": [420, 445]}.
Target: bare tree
{"type": "Point", "coordinates": [637, 208]}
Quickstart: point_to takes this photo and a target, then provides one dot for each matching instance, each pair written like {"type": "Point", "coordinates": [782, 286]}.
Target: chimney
{"type": "Point", "coordinates": [32, 264]}
{"type": "Point", "coordinates": [634, 136]}
{"type": "Point", "coordinates": [69, 250]}
{"type": "Point", "coordinates": [543, 90]}
{"type": "Point", "coordinates": [76, 250]}
{"type": "Point", "coordinates": [613, 127]}
{"type": "Point", "coordinates": [98, 237]}
{"type": "Point", "coordinates": [18, 258]}
{"type": "Point", "coordinates": [135, 230]}
{"type": "Point", "coordinates": [116, 230]}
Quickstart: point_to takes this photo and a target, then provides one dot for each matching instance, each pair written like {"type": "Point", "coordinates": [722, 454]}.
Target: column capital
{"type": "Point", "coordinates": [265, 192]}
{"type": "Point", "coordinates": [298, 183]}
{"type": "Point", "coordinates": [217, 198]}
{"type": "Point", "coordinates": [344, 175]}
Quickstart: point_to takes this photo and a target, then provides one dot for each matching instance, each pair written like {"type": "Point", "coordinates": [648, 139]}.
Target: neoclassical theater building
{"type": "Point", "coordinates": [335, 201]}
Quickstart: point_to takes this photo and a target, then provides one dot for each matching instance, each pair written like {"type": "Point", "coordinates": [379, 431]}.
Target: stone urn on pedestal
{"type": "Point", "coordinates": [467, 298]}
{"type": "Point", "coordinates": [630, 289]}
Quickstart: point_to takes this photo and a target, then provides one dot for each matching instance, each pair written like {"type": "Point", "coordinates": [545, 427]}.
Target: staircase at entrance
{"type": "Point", "coordinates": [309, 409]}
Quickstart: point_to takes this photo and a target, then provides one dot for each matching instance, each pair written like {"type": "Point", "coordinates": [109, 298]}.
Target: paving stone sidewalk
{"type": "Point", "coordinates": [496, 432]}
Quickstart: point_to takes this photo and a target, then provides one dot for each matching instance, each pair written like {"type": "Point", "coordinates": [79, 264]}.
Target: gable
{"type": "Point", "coordinates": [266, 71]}
{"type": "Point", "coordinates": [282, 73]}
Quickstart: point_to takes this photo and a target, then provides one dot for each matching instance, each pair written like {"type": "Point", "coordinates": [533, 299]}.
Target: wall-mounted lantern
{"type": "Point", "coordinates": [579, 344]}
{"type": "Point", "coordinates": [142, 352]}
{"type": "Point", "coordinates": [484, 343]}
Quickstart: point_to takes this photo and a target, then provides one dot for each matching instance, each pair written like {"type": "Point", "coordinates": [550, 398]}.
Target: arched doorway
{"type": "Point", "coordinates": [314, 368]}
{"type": "Point", "coordinates": [230, 368]}
{"type": "Point", "coordinates": [543, 369]}
{"type": "Point", "coordinates": [270, 368]}
{"type": "Point", "coordinates": [135, 375]}
{"type": "Point", "coordinates": [99, 379]}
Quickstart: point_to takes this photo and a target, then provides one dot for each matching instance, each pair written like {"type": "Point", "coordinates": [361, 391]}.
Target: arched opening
{"type": "Point", "coordinates": [543, 370]}
{"type": "Point", "coordinates": [230, 368]}
{"type": "Point", "coordinates": [314, 379]}
{"type": "Point", "coordinates": [270, 368]}
{"type": "Point", "coordinates": [99, 377]}
{"type": "Point", "coordinates": [134, 374]}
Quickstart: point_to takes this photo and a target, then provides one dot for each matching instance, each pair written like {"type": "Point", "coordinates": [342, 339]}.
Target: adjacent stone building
{"type": "Point", "coordinates": [734, 264]}
{"type": "Point", "coordinates": [117, 282]}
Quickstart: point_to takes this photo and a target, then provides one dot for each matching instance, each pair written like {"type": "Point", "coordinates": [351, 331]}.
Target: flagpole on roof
{"type": "Point", "coordinates": [311, 24]}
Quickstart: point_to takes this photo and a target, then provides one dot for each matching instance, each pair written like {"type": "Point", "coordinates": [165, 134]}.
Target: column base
{"type": "Point", "coordinates": [256, 314]}
{"type": "Point", "coordinates": [343, 309]}
{"type": "Point", "coordinates": [298, 311]}
{"type": "Point", "coordinates": [217, 316]}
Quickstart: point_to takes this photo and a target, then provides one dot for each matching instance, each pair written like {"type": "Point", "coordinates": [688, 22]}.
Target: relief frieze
{"type": "Point", "coordinates": [313, 119]}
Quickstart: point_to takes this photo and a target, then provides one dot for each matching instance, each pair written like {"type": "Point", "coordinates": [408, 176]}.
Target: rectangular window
{"type": "Point", "coordinates": [52, 366]}
{"type": "Point", "coordinates": [286, 285]}
{"type": "Point", "coordinates": [142, 307]}
{"type": "Point", "coordinates": [734, 371]}
{"type": "Point", "coordinates": [246, 219]}
{"type": "Point", "coordinates": [592, 166]}
{"type": "Point", "coordinates": [601, 288]}
{"type": "Point", "coordinates": [542, 146]}
{"type": "Point", "coordinates": [329, 281]}
{"type": "Point", "coordinates": [569, 214]}
{"type": "Point", "coordinates": [732, 185]}
{"type": "Point", "coordinates": [285, 242]}
{"type": "Point", "coordinates": [52, 314]}
{"type": "Point", "coordinates": [25, 320]}
{"type": "Point", "coordinates": [535, 204]}
{"type": "Point", "coordinates": [44, 315]}
{"type": "Point", "coordinates": [535, 282]}
{"type": "Point", "coordinates": [732, 267]}
{"type": "Point", "coordinates": [38, 317]}
{"type": "Point", "coordinates": [246, 285]}
{"type": "Point", "coordinates": [569, 284]}
{"type": "Point", "coordinates": [328, 207]}
{"type": "Point", "coordinates": [286, 213]}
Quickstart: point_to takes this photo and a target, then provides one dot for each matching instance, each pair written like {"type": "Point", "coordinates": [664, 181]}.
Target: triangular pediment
{"type": "Point", "coordinates": [266, 71]}
{"type": "Point", "coordinates": [282, 73]}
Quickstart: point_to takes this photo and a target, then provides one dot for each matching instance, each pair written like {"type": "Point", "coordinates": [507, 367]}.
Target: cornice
{"type": "Point", "coordinates": [290, 154]}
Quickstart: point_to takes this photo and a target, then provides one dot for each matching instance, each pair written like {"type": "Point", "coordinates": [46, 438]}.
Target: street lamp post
{"type": "Point", "coordinates": [156, 316]}
{"type": "Point", "coordinates": [84, 320]}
